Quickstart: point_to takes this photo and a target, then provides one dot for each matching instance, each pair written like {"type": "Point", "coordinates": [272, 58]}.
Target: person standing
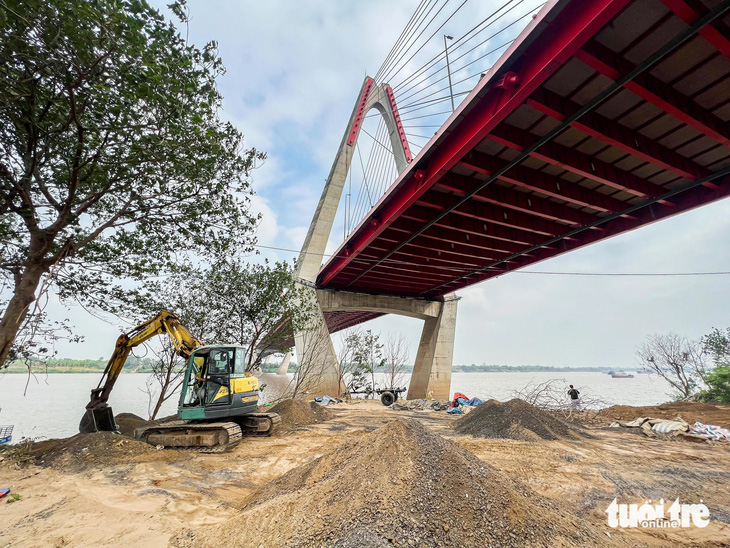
{"type": "Point", "coordinates": [574, 398]}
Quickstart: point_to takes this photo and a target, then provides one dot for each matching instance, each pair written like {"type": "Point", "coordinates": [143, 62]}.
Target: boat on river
{"type": "Point", "coordinates": [622, 375]}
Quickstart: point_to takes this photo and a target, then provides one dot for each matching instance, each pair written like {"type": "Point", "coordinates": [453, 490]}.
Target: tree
{"type": "Point", "coordinates": [676, 359]}
{"type": "Point", "coordinates": [552, 395]}
{"type": "Point", "coordinates": [258, 306]}
{"type": "Point", "coordinates": [719, 385]}
{"type": "Point", "coordinates": [311, 365]}
{"type": "Point", "coordinates": [350, 374]}
{"type": "Point", "coordinates": [396, 358]}
{"type": "Point", "coordinates": [368, 357]}
{"type": "Point", "coordinates": [717, 345]}
{"type": "Point", "coordinates": [187, 295]}
{"type": "Point", "coordinates": [114, 163]}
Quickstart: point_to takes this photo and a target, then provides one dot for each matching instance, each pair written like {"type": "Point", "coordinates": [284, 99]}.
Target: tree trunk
{"type": "Point", "coordinates": [17, 309]}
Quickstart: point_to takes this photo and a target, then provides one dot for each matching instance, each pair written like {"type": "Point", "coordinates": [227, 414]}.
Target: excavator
{"type": "Point", "coordinates": [219, 396]}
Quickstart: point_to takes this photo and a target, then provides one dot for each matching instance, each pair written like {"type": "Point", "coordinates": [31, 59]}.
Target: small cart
{"type": "Point", "coordinates": [388, 396]}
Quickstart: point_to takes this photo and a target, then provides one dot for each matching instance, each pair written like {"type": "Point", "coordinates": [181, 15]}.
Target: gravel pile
{"type": "Point", "coordinates": [515, 419]}
{"type": "Point", "coordinates": [400, 485]}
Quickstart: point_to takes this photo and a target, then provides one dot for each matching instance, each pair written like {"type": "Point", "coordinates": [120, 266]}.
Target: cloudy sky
{"type": "Point", "coordinates": [293, 73]}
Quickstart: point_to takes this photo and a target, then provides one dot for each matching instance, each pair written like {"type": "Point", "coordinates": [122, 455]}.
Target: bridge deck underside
{"type": "Point", "coordinates": [515, 177]}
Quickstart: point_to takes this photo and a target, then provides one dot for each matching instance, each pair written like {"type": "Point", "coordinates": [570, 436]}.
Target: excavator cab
{"type": "Point", "coordinates": [217, 386]}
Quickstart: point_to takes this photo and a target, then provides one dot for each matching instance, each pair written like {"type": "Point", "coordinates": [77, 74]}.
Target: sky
{"type": "Point", "coordinates": [294, 70]}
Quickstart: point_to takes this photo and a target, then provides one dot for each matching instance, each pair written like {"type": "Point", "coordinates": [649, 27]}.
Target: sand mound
{"type": "Point", "coordinates": [398, 485]}
{"type": "Point", "coordinates": [296, 413]}
{"type": "Point", "coordinates": [82, 451]}
{"type": "Point", "coordinates": [515, 419]}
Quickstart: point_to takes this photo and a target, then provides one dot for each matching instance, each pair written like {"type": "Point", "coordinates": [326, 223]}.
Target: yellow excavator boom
{"type": "Point", "coordinates": [164, 322]}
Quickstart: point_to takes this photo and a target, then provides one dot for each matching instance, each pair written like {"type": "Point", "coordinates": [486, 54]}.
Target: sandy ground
{"type": "Point", "coordinates": [160, 497]}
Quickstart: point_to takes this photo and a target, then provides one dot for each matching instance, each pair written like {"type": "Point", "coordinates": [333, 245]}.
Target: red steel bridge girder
{"type": "Point", "coordinates": [616, 135]}
{"type": "Point", "coordinates": [543, 183]}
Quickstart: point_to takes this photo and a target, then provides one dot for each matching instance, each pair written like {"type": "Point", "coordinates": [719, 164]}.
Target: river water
{"type": "Point", "coordinates": [53, 404]}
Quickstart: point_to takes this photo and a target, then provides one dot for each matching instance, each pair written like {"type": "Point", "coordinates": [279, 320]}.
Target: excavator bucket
{"type": "Point", "coordinates": [98, 419]}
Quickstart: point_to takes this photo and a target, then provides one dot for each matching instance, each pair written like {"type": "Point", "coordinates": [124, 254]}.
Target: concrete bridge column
{"type": "Point", "coordinates": [284, 366]}
{"type": "Point", "coordinates": [432, 369]}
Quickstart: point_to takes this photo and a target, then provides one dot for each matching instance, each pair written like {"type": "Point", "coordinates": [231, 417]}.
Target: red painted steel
{"type": "Point", "coordinates": [576, 162]}
{"type": "Point", "coordinates": [541, 182]}
{"type": "Point", "coordinates": [360, 112]}
{"type": "Point", "coordinates": [398, 124]}
{"type": "Point", "coordinates": [690, 14]}
{"type": "Point", "coordinates": [616, 135]}
{"type": "Point", "coordinates": [653, 90]}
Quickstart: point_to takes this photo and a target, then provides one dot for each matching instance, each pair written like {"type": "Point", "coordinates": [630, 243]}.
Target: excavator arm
{"type": "Point", "coordinates": [98, 415]}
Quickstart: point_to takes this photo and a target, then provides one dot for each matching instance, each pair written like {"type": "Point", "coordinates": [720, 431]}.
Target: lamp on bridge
{"type": "Point", "coordinates": [448, 69]}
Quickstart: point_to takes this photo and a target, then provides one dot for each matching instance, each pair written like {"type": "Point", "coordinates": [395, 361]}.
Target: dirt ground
{"type": "Point", "coordinates": [107, 490]}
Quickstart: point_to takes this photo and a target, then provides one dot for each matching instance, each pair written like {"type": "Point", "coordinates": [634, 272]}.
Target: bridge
{"type": "Point", "coordinates": [601, 117]}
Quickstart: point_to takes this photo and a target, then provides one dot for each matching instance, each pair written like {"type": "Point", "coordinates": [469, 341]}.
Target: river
{"type": "Point", "coordinates": [53, 404]}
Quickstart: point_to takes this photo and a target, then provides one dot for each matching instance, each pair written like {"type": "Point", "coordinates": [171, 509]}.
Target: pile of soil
{"type": "Point", "coordinates": [515, 419]}
{"type": "Point", "coordinates": [690, 412]}
{"type": "Point", "coordinates": [128, 422]}
{"type": "Point", "coordinates": [81, 451]}
{"type": "Point", "coordinates": [297, 413]}
{"type": "Point", "coordinates": [399, 485]}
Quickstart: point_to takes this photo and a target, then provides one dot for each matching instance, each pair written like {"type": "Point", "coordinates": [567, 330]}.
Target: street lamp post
{"type": "Point", "coordinates": [448, 69]}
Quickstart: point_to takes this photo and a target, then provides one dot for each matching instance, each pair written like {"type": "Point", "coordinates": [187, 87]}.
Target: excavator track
{"type": "Point", "coordinates": [258, 424]}
{"type": "Point", "coordinates": [205, 437]}
{"type": "Point", "coordinates": [208, 437]}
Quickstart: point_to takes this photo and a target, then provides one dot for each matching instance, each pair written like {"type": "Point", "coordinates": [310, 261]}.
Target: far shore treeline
{"type": "Point", "coordinates": [144, 365]}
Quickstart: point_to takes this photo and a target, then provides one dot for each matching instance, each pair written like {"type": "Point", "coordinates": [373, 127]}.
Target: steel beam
{"type": "Point", "coordinates": [616, 135]}
{"type": "Point", "coordinates": [496, 215]}
{"type": "Point", "coordinates": [538, 181]}
{"type": "Point", "coordinates": [689, 12]}
{"type": "Point", "coordinates": [460, 185]}
{"type": "Point", "coordinates": [576, 162]}
{"type": "Point", "coordinates": [449, 253]}
{"type": "Point", "coordinates": [437, 234]}
{"type": "Point", "coordinates": [481, 228]}
{"type": "Point", "coordinates": [651, 89]}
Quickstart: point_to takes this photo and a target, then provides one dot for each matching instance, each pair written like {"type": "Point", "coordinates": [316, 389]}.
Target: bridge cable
{"type": "Point", "coordinates": [454, 71]}
{"type": "Point", "coordinates": [398, 43]}
{"type": "Point", "coordinates": [392, 71]}
{"type": "Point", "coordinates": [455, 46]}
{"type": "Point", "coordinates": [406, 45]}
